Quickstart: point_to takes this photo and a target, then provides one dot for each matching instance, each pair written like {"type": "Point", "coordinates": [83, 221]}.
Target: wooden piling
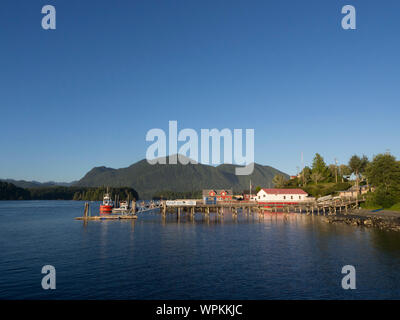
{"type": "Point", "coordinates": [133, 207]}
{"type": "Point", "coordinates": [86, 210]}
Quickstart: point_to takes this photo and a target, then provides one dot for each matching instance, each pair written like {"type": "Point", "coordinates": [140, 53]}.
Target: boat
{"type": "Point", "coordinates": [123, 207]}
{"type": "Point", "coordinates": [107, 205]}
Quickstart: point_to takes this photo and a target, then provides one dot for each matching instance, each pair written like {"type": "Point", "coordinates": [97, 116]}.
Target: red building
{"type": "Point", "coordinates": [249, 197]}
{"type": "Point", "coordinates": [221, 195]}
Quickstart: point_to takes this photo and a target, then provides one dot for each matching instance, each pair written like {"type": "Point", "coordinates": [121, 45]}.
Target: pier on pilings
{"type": "Point", "coordinates": [247, 209]}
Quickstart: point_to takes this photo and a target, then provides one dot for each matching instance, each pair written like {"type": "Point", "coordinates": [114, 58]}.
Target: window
{"type": "Point", "coordinates": [284, 197]}
{"type": "Point", "coordinates": [291, 197]}
{"type": "Point", "coordinates": [264, 195]}
{"type": "Point", "coordinates": [299, 197]}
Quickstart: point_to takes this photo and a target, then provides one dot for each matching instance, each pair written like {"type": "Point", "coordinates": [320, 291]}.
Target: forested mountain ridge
{"type": "Point", "coordinates": [36, 184]}
{"type": "Point", "coordinates": [149, 179]}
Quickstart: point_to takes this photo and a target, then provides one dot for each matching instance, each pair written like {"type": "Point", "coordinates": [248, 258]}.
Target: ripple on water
{"type": "Point", "coordinates": [279, 257]}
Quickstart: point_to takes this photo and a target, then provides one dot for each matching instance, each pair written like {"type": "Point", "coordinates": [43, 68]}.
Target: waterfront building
{"type": "Point", "coordinates": [281, 196]}
{"type": "Point", "coordinates": [353, 192]}
{"type": "Point", "coordinates": [220, 195]}
{"type": "Point", "coordinates": [247, 196]}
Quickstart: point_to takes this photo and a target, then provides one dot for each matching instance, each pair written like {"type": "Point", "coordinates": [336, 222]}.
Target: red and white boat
{"type": "Point", "coordinates": [107, 205]}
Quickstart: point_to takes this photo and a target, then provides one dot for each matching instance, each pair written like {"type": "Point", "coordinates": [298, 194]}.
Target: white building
{"type": "Point", "coordinates": [278, 196]}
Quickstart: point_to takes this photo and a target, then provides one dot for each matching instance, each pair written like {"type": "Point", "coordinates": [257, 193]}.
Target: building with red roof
{"type": "Point", "coordinates": [281, 196]}
{"type": "Point", "coordinates": [220, 195]}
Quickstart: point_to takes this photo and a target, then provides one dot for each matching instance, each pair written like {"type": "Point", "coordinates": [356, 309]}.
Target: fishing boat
{"type": "Point", "coordinates": [122, 208]}
{"type": "Point", "coordinates": [107, 205]}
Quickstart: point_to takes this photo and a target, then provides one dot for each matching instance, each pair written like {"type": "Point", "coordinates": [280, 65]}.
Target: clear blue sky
{"type": "Point", "coordinates": [86, 94]}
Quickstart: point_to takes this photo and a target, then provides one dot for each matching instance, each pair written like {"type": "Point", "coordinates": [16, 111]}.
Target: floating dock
{"type": "Point", "coordinates": [87, 216]}
{"type": "Point", "coordinates": [109, 217]}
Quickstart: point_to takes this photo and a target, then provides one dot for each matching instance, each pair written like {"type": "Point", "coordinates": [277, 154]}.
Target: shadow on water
{"type": "Point", "coordinates": [388, 241]}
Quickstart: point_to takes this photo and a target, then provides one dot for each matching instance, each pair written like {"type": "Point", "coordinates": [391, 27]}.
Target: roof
{"type": "Point", "coordinates": [354, 188]}
{"type": "Point", "coordinates": [218, 192]}
{"type": "Point", "coordinates": [284, 191]}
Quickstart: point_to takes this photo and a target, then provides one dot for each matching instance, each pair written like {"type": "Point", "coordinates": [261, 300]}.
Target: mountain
{"type": "Point", "coordinates": [35, 184]}
{"type": "Point", "coordinates": [148, 179]}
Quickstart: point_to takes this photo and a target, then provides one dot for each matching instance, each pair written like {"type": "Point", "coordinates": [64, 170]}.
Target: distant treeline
{"type": "Point", "coordinates": [8, 191]}
{"type": "Point", "coordinates": [171, 195]}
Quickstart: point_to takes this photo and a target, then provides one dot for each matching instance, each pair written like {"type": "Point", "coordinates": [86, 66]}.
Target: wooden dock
{"type": "Point", "coordinates": [108, 217]}
{"type": "Point", "coordinates": [87, 216]}
{"type": "Point", "coordinates": [330, 207]}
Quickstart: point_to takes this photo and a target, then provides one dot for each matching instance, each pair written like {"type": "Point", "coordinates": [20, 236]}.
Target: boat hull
{"type": "Point", "coordinates": [105, 209]}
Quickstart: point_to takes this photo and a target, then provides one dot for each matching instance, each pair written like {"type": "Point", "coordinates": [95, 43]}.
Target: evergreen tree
{"type": "Point", "coordinates": [344, 171]}
{"type": "Point", "coordinates": [319, 168]}
{"type": "Point", "coordinates": [306, 175]}
{"type": "Point", "coordinates": [384, 173]}
{"type": "Point", "coordinates": [279, 181]}
{"type": "Point", "coordinates": [358, 166]}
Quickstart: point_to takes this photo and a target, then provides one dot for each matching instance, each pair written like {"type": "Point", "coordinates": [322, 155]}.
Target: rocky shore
{"type": "Point", "coordinates": [384, 220]}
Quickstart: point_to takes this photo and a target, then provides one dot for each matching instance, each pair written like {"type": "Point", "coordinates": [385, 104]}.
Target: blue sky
{"type": "Point", "coordinates": [86, 94]}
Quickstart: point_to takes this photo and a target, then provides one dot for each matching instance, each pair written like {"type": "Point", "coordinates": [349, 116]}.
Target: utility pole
{"type": "Point", "coordinates": [250, 190]}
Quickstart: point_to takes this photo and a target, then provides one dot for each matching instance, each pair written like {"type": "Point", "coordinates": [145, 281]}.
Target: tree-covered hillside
{"type": "Point", "coordinates": [149, 179]}
{"type": "Point", "coordinates": [8, 191]}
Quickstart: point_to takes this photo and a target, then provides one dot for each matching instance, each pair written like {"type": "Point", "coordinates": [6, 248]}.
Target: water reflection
{"type": "Point", "coordinates": [268, 256]}
{"type": "Point", "coordinates": [316, 239]}
{"type": "Point", "coordinates": [386, 240]}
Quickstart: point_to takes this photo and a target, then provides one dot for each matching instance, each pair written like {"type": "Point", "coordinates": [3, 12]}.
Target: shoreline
{"type": "Point", "coordinates": [384, 220]}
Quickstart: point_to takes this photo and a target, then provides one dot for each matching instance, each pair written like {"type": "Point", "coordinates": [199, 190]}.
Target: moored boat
{"type": "Point", "coordinates": [122, 208]}
{"type": "Point", "coordinates": [107, 205]}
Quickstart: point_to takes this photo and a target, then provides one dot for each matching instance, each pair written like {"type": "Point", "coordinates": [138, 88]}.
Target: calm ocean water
{"type": "Point", "coordinates": [299, 257]}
